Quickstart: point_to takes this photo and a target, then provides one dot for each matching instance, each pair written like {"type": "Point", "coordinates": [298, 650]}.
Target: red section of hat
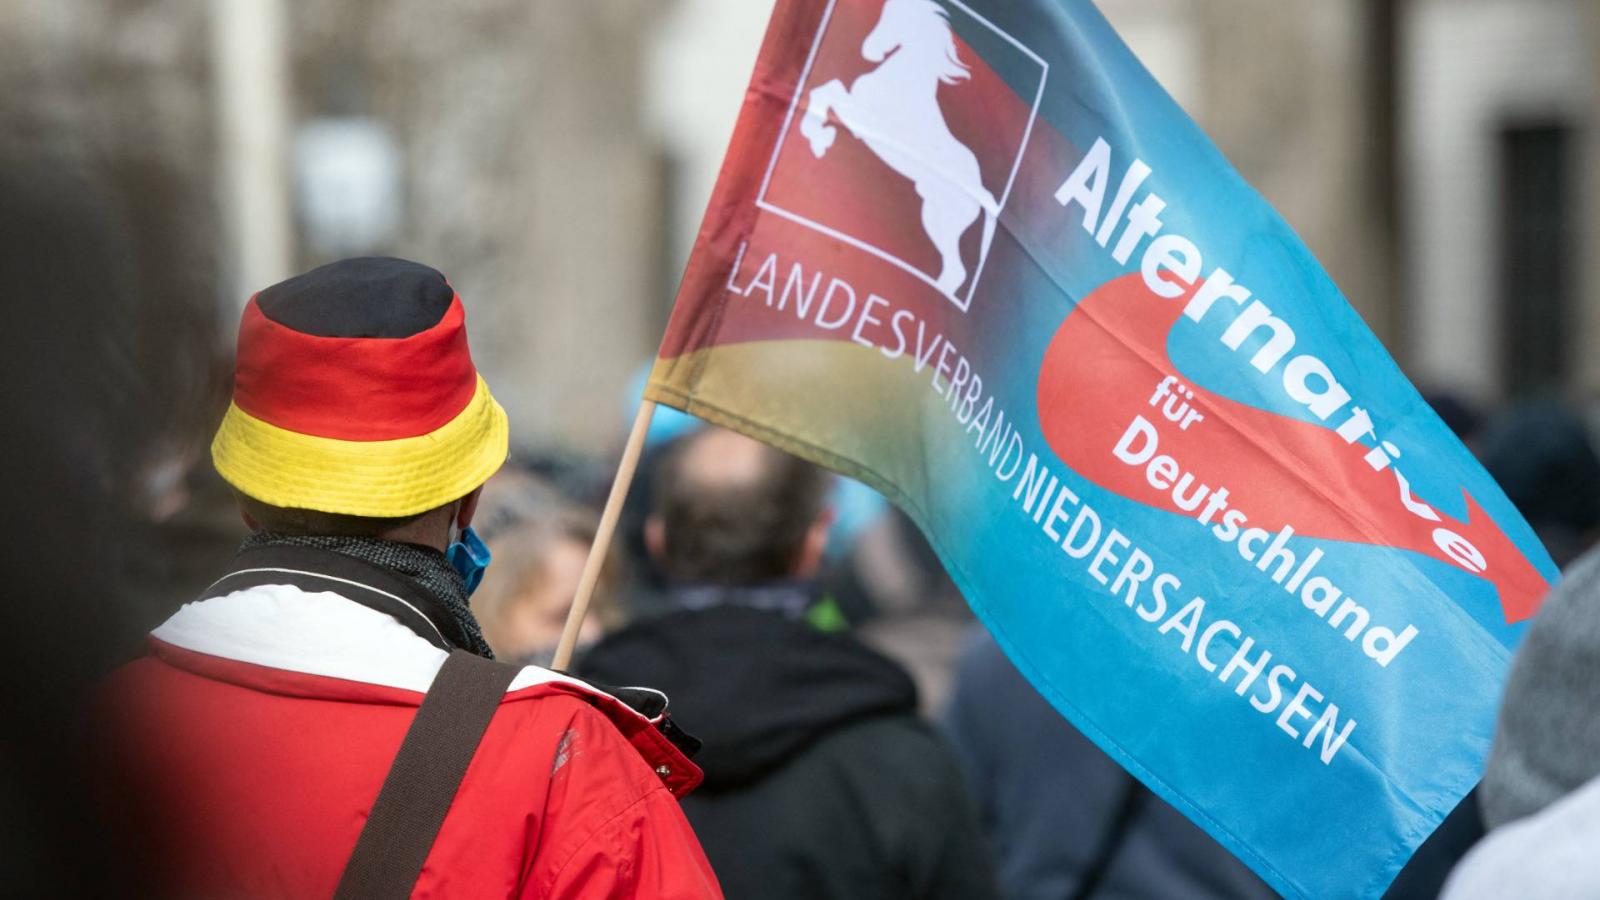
{"type": "Point", "coordinates": [354, 389]}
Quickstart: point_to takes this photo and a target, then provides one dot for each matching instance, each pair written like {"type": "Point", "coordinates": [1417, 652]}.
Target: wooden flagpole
{"type": "Point", "coordinates": [602, 536]}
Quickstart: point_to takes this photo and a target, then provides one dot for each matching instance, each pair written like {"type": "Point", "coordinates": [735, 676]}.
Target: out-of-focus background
{"type": "Point", "coordinates": [161, 159]}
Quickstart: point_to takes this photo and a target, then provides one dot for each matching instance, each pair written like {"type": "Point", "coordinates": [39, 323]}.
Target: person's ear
{"type": "Point", "coordinates": [468, 508]}
{"type": "Point", "coordinates": [244, 515]}
{"type": "Point", "coordinates": [655, 538]}
{"type": "Point", "coordinates": [809, 562]}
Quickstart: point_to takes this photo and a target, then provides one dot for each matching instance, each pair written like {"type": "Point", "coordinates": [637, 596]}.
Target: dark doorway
{"type": "Point", "coordinates": [1536, 279]}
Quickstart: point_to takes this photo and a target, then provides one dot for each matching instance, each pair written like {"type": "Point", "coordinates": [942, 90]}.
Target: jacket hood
{"type": "Point", "coordinates": [755, 686]}
{"type": "Point", "coordinates": [289, 641]}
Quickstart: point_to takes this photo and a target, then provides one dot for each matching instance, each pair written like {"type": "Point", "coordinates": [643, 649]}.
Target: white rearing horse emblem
{"type": "Point", "coordinates": [894, 110]}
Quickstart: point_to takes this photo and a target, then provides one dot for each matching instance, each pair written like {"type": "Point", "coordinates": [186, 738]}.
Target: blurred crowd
{"type": "Point", "coordinates": [1060, 818]}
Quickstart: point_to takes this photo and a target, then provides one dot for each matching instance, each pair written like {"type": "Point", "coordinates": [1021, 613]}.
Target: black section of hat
{"type": "Point", "coordinates": [367, 297]}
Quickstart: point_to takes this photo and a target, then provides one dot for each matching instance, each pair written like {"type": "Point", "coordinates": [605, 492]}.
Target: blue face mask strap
{"type": "Point", "coordinates": [469, 556]}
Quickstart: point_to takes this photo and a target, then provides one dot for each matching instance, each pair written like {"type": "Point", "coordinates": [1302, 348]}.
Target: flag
{"type": "Point", "coordinates": [971, 254]}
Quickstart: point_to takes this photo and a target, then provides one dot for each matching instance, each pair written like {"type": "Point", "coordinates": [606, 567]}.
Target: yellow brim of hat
{"type": "Point", "coordinates": [376, 479]}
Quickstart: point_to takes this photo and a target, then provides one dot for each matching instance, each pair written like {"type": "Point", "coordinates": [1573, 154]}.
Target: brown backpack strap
{"type": "Point", "coordinates": [423, 780]}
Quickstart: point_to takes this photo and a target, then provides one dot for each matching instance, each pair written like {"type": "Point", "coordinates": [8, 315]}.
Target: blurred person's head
{"type": "Point", "coordinates": [523, 602]}
{"type": "Point", "coordinates": [539, 538]}
{"type": "Point", "coordinates": [1547, 740]}
{"type": "Point", "coordinates": [1542, 455]}
{"type": "Point", "coordinates": [730, 510]}
{"type": "Point", "coordinates": [357, 411]}
{"type": "Point", "coordinates": [90, 389]}
{"type": "Point", "coordinates": [1458, 413]}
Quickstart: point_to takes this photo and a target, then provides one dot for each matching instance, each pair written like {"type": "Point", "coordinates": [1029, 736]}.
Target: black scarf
{"type": "Point", "coordinates": [424, 567]}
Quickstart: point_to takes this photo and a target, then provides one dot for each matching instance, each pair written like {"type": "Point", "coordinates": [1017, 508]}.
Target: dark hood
{"type": "Point", "coordinates": [755, 686]}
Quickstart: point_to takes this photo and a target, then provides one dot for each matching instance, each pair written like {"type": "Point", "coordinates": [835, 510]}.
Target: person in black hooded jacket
{"type": "Point", "coordinates": [820, 780]}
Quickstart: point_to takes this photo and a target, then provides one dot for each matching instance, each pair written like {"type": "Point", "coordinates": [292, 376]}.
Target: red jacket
{"type": "Point", "coordinates": [263, 722]}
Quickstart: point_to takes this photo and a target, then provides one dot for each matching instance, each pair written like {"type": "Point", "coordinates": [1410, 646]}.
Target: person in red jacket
{"type": "Point", "coordinates": [259, 729]}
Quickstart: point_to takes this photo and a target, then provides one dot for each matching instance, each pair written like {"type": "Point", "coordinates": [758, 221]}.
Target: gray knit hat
{"type": "Point", "coordinates": [1547, 743]}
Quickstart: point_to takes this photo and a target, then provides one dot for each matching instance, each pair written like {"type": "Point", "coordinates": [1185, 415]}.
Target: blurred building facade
{"type": "Point", "coordinates": [525, 173]}
{"type": "Point", "coordinates": [1498, 166]}
{"type": "Point", "coordinates": [240, 141]}
{"type": "Point", "coordinates": [1438, 157]}
{"type": "Point", "coordinates": [554, 159]}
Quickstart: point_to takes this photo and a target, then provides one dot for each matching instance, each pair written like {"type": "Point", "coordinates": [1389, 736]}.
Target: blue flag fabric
{"type": "Point", "coordinates": [971, 254]}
